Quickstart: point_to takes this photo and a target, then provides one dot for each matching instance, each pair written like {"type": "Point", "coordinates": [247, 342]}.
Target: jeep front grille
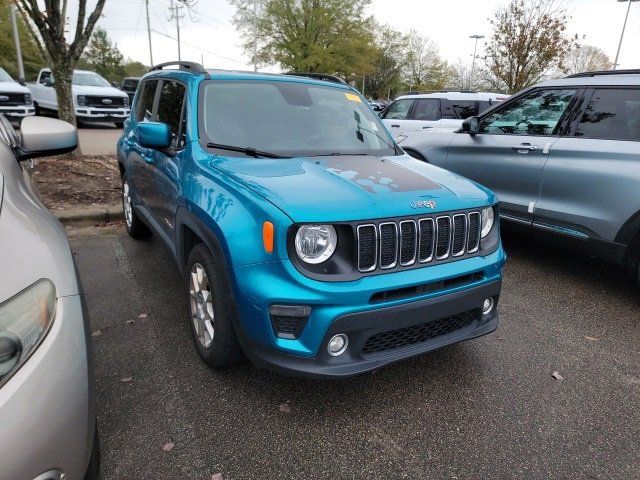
{"type": "Point", "coordinates": [392, 244]}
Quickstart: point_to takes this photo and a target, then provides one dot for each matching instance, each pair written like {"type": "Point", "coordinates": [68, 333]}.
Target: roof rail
{"type": "Point", "coordinates": [605, 72]}
{"type": "Point", "coordinates": [440, 91]}
{"type": "Point", "coordinates": [318, 76]}
{"type": "Point", "coordinates": [186, 66]}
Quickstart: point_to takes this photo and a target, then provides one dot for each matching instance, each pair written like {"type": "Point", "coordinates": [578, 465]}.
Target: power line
{"type": "Point", "coordinates": [202, 49]}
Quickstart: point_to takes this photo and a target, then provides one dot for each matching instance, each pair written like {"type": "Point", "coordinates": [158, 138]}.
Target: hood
{"type": "Point", "coordinates": [99, 91]}
{"type": "Point", "coordinates": [13, 87]}
{"type": "Point", "coordinates": [33, 244]}
{"type": "Point", "coordinates": [346, 188]}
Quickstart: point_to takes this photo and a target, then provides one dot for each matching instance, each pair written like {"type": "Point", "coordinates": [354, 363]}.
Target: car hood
{"type": "Point", "coordinates": [98, 91]}
{"type": "Point", "coordinates": [33, 244]}
{"type": "Point", "coordinates": [345, 188]}
{"type": "Point", "coordinates": [13, 87]}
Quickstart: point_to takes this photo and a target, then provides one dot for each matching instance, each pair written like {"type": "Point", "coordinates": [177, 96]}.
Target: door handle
{"type": "Point", "coordinates": [524, 148]}
{"type": "Point", "coordinates": [395, 126]}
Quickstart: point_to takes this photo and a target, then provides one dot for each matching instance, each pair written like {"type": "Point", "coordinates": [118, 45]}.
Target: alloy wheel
{"type": "Point", "coordinates": [126, 203]}
{"type": "Point", "coordinates": [202, 314]}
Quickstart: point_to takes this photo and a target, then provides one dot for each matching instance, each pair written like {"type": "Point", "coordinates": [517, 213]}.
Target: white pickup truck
{"type": "Point", "coordinates": [15, 99]}
{"type": "Point", "coordinates": [94, 99]}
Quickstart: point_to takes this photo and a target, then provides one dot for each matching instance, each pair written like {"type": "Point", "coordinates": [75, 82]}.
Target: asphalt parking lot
{"type": "Point", "coordinates": [488, 408]}
{"type": "Point", "coordinates": [98, 138]}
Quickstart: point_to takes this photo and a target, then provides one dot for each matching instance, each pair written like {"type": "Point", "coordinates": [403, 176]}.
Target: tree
{"type": "Point", "coordinates": [424, 69]}
{"type": "Point", "coordinates": [31, 58]}
{"type": "Point", "coordinates": [328, 36]}
{"type": "Point", "coordinates": [529, 39]}
{"type": "Point", "coordinates": [387, 66]}
{"type": "Point", "coordinates": [134, 68]}
{"type": "Point", "coordinates": [586, 58]}
{"type": "Point", "coordinates": [50, 38]}
{"type": "Point", "coordinates": [104, 56]}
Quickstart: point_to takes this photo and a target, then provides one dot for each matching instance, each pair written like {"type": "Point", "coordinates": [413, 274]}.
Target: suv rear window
{"type": "Point", "coordinates": [612, 114]}
{"type": "Point", "coordinates": [464, 108]}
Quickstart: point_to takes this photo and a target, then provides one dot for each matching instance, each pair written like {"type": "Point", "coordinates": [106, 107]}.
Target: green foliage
{"type": "Point", "coordinates": [31, 57]}
{"type": "Point", "coordinates": [424, 69]}
{"type": "Point", "coordinates": [386, 78]}
{"type": "Point", "coordinates": [134, 69]}
{"type": "Point", "coordinates": [529, 40]}
{"type": "Point", "coordinates": [329, 36]}
{"type": "Point", "coordinates": [103, 56]}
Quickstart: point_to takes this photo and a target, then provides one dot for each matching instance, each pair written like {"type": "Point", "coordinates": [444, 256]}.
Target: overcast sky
{"type": "Point", "coordinates": [211, 36]}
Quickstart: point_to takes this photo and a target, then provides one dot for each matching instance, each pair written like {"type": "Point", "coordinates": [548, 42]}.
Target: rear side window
{"type": "Point", "coordinates": [170, 108]}
{"type": "Point", "coordinates": [398, 110]}
{"type": "Point", "coordinates": [464, 108]}
{"type": "Point", "coordinates": [145, 103]}
{"type": "Point", "coordinates": [427, 109]}
{"type": "Point", "coordinates": [537, 113]}
{"type": "Point", "coordinates": [613, 114]}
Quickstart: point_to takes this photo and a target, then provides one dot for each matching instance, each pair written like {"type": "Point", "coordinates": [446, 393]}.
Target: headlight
{"type": "Point", "coordinates": [81, 100]}
{"type": "Point", "coordinates": [25, 319]}
{"type": "Point", "coordinates": [487, 221]}
{"type": "Point", "coordinates": [27, 99]}
{"type": "Point", "coordinates": [125, 101]}
{"type": "Point", "coordinates": [316, 243]}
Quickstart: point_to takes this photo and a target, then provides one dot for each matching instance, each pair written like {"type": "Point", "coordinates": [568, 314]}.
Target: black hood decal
{"type": "Point", "coordinates": [377, 175]}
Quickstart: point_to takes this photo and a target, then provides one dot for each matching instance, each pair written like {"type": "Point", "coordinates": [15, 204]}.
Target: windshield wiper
{"type": "Point", "coordinates": [252, 152]}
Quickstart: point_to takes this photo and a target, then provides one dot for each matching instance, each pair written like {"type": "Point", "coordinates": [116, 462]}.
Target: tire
{"type": "Point", "coordinates": [94, 462]}
{"type": "Point", "coordinates": [210, 309]}
{"type": "Point", "coordinates": [37, 108]}
{"type": "Point", "coordinates": [119, 124]}
{"type": "Point", "coordinates": [135, 227]}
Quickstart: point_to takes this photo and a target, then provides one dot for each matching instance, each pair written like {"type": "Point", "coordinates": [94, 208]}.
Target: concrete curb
{"type": "Point", "coordinates": [90, 215]}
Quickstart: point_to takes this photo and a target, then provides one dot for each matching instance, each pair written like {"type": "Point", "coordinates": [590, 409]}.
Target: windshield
{"type": "Point", "coordinates": [292, 119]}
{"type": "Point", "coordinates": [89, 79]}
{"type": "Point", "coordinates": [4, 76]}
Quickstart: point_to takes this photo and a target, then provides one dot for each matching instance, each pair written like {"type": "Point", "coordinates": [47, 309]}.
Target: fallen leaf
{"type": "Point", "coordinates": [126, 379]}
{"type": "Point", "coordinates": [284, 408]}
{"type": "Point", "coordinates": [167, 447]}
{"type": "Point", "coordinates": [142, 315]}
{"type": "Point", "coordinates": [216, 476]}
{"type": "Point", "coordinates": [97, 333]}
{"type": "Point", "coordinates": [557, 376]}
{"type": "Point", "coordinates": [130, 321]}
{"type": "Point", "coordinates": [591, 339]}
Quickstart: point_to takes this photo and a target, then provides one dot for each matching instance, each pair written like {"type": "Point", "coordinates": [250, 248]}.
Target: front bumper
{"type": "Point", "coordinates": [348, 307]}
{"type": "Point", "coordinates": [360, 327]}
{"type": "Point", "coordinates": [13, 113]}
{"type": "Point", "coordinates": [47, 408]}
{"type": "Point", "coordinates": [88, 114]}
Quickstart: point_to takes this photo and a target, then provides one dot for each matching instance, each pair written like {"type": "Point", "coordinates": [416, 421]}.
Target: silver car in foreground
{"type": "Point", "coordinates": [47, 406]}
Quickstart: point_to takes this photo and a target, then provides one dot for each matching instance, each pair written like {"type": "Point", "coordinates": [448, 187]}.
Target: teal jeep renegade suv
{"type": "Point", "coordinates": [306, 237]}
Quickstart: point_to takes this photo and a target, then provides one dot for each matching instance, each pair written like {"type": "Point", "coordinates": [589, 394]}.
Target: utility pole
{"type": "Point", "coordinates": [255, 35]}
{"type": "Point", "coordinates": [624, 26]}
{"type": "Point", "coordinates": [473, 62]}
{"type": "Point", "coordinates": [175, 14]}
{"type": "Point", "coordinates": [146, 3]}
{"type": "Point", "coordinates": [364, 77]}
{"type": "Point", "coordinates": [16, 39]}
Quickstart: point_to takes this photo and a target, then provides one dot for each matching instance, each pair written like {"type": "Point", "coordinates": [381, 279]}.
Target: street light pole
{"type": "Point", "coordinates": [624, 26]}
{"type": "Point", "coordinates": [473, 62]}
{"type": "Point", "coordinates": [146, 2]}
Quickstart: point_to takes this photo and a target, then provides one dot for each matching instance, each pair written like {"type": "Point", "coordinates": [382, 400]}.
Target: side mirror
{"type": "Point", "coordinates": [154, 135]}
{"type": "Point", "coordinates": [471, 125]}
{"type": "Point", "coordinates": [22, 82]}
{"type": "Point", "coordinates": [48, 82]}
{"type": "Point", "coordinates": [115, 85]}
{"type": "Point", "coordinates": [43, 136]}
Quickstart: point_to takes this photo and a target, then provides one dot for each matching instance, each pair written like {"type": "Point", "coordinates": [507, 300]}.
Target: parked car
{"type": "Point", "coordinates": [129, 85]}
{"type": "Point", "coordinates": [436, 110]}
{"type": "Point", "coordinates": [47, 403]}
{"type": "Point", "coordinates": [563, 158]}
{"type": "Point", "coordinates": [306, 238]}
{"type": "Point", "coordinates": [94, 98]}
{"type": "Point", "coordinates": [15, 99]}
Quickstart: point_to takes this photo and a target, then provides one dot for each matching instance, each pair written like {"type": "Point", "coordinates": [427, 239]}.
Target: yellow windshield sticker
{"type": "Point", "coordinates": [353, 97]}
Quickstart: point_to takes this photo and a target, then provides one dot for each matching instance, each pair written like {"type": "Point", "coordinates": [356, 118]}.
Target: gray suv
{"type": "Point", "coordinates": [563, 158]}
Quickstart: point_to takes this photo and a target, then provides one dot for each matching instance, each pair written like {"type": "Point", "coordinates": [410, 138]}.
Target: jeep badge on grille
{"type": "Point", "coordinates": [423, 204]}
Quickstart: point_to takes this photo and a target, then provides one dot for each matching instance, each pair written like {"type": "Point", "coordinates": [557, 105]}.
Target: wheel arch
{"type": "Point", "coordinates": [629, 234]}
{"type": "Point", "coordinates": [415, 154]}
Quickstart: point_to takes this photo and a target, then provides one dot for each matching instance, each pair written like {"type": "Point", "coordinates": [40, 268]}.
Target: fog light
{"type": "Point", "coordinates": [338, 344]}
{"type": "Point", "coordinates": [487, 305]}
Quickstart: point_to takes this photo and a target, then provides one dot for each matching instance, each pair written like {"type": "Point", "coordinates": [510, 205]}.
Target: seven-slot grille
{"type": "Point", "coordinates": [14, 99]}
{"type": "Point", "coordinates": [404, 243]}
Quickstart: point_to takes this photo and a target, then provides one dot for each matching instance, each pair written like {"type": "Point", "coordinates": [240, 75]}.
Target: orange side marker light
{"type": "Point", "coordinates": [267, 236]}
